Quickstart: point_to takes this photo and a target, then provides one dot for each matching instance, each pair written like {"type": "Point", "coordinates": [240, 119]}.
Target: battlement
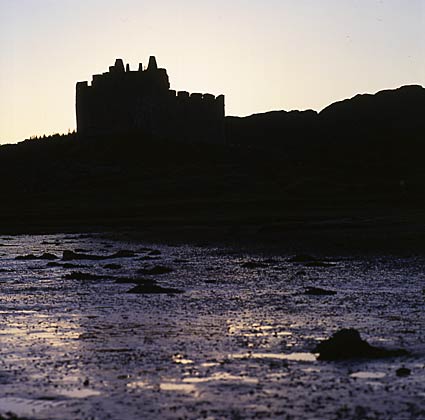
{"type": "Point", "coordinates": [122, 100]}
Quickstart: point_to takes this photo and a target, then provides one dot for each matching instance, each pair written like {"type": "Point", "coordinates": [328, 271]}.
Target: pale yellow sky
{"type": "Point", "coordinates": [262, 54]}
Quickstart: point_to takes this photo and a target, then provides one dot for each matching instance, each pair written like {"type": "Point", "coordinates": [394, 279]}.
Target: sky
{"type": "Point", "coordinates": [261, 54]}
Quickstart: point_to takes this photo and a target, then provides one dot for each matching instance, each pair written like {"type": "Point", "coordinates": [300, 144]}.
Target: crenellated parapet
{"type": "Point", "coordinates": [122, 100]}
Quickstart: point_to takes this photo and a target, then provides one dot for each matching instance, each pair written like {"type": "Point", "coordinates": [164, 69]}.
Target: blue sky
{"type": "Point", "coordinates": [262, 54]}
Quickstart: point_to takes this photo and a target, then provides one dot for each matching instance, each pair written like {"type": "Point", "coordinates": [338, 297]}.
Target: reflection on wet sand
{"type": "Point", "coordinates": [221, 376]}
{"type": "Point", "coordinates": [296, 357]}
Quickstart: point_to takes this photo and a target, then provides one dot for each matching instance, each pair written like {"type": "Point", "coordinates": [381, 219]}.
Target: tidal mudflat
{"type": "Point", "coordinates": [131, 330]}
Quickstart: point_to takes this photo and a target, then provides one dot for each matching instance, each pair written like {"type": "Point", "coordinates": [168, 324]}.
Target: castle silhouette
{"type": "Point", "coordinates": [124, 101]}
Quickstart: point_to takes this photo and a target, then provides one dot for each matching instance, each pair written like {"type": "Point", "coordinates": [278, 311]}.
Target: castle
{"type": "Point", "coordinates": [124, 101]}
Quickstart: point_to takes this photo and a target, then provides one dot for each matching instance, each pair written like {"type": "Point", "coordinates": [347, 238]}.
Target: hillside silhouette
{"type": "Point", "coordinates": [389, 114]}
{"type": "Point", "coordinates": [356, 159]}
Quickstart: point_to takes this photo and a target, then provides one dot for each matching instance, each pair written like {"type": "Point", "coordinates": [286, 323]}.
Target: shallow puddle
{"type": "Point", "coordinates": [368, 375]}
{"type": "Point", "coordinates": [221, 376]}
{"type": "Point", "coordinates": [178, 387]}
{"type": "Point", "coordinates": [296, 357]}
{"type": "Point", "coordinates": [80, 393]}
{"type": "Point", "coordinates": [179, 359]}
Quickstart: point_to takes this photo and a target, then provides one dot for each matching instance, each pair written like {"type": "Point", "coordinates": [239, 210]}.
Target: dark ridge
{"type": "Point", "coordinates": [403, 100]}
{"type": "Point", "coordinates": [389, 113]}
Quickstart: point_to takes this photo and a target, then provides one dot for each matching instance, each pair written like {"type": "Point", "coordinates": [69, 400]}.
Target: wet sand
{"type": "Point", "coordinates": [236, 344]}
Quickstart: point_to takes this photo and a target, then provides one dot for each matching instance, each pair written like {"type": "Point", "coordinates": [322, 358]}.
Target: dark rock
{"type": "Point", "coordinates": [71, 255]}
{"type": "Point", "coordinates": [134, 280]}
{"type": "Point", "coordinates": [317, 291]}
{"type": "Point", "coordinates": [148, 258]}
{"type": "Point", "coordinates": [78, 275]}
{"type": "Point", "coordinates": [157, 270]}
{"type": "Point", "coordinates": [112, 266]}
{"type": "Point", "coordinates": [28, 257]}
{"type": "Point", "coordinates": [347, 344]}
{"type": "Point", "coordinates": [155, 252]}
{"type": "Point", "coordinates": [403, 372]}
{"type": "Point", "coordinates": [302, 258]}
{"type": "Point", "coordinates": [253, 264]}
{"type": "Point", "coordinates": [48, 256]}
{"type": "Point", "coordinates": [153, 289]}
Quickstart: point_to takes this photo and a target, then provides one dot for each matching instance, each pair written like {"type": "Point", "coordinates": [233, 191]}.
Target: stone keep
{"type": "Point", "coordinates": [122, 101]}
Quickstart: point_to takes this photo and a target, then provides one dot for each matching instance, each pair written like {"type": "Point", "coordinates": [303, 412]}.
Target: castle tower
{"type": "Point", "coordinates": [141, 102]}
{"type": "Point", "coordinates": [152, 64]}
{"type": "Point", "coordinates": [119, 65]}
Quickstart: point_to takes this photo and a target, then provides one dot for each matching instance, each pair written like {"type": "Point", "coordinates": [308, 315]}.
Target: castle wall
{"type": "Point", "coordinates": [121, 101]}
